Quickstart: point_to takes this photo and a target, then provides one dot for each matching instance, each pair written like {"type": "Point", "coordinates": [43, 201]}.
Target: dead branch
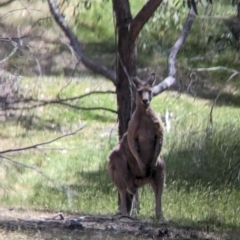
{"type": "Point", "coordinates": [6, 3]}
{"type": "Point", "coordinates": [59, 101]}
{"type": "Point", "coordinates": [13, 39]}
{"type": "Point", "coordinates": [217, 17]}
{"type": "Point", "coordinates": [14, 50]}
{"type": "Point", "coordinates": [32, 168]}
{"type": "Point", "coordinates": [59, 187]}
{"type": "Point", "coordinates": [44, 103]}
{"type": "Point", "coordinates": [87, 94]}
{"type": "Point", "coordinates": [143, 16]}
{"type": "Point", "coordinates": [40, 144]}
{"type": "Point", "coordinates": [19, 9]}
{"type": "Point", "coordinates": [171, 79]}
{"type": "Point", "coordinates": [89, 63]}
{"type": "Point", "coordinates": [217, 68]}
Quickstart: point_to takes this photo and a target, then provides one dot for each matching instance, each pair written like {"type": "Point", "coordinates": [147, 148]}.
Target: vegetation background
{"type": "Point", "coordinates": [45, 93]}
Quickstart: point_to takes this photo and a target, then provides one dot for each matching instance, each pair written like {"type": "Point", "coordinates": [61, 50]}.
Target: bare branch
{"type": "Point", "coordinates": [81, 108]}
{"type": "Point", "coordinates": [44, 103]}
{"type": "Point", "coordinates": [6, 3]}
{"type": "Point", "coordinates": [88, 94]}
{"type": "Point", "coordinates": [14, 39]}
{"type": "Point", "coordinates": [43, 143]}
{"type": "Point", "coordinates": [32, 168]}
{"type": "Point", "coordinates": [217, 17]}
{"type": "Point", "coordinates": [60, 101]}
{"type": "Point", "coordinates": [19, 9]}
{"type": "Point", "coordinates": [15, 48]}
{"type": "Point", "coordinates": [171, 79]}
{"type": "Point", "coordinates": [143, 16]}
{"type": "Point", "coordinates": [89, 63]}
{"type": "Point", "coordinates": [217, 68]}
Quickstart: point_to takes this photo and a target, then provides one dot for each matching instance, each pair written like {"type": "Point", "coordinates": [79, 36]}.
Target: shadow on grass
{"type": "Point", "coordinates": [209, 157]}
{"type": "Point", "coordinates": [225, 99]}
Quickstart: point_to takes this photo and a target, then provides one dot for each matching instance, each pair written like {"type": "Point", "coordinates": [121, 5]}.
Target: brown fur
{"type": "Point", "coordinates": [135, 161]}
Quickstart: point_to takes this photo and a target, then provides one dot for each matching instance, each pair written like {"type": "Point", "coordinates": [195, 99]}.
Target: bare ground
{"type": "Point", "coordinates": [25, 224]}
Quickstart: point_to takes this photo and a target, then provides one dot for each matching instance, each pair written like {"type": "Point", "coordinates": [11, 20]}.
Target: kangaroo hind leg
{"type": "Point", "coordinates": [118, 171]}
{"type": "Point", "coordinates": [157, 183]}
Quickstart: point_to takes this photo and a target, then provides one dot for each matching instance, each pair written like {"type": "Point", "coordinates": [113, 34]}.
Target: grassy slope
{"type": "Point", "coordinates": [199, 157]}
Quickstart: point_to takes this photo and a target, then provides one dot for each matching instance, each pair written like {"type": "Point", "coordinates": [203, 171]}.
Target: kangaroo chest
{"type": "Point", "coordinates": [146, 139]}
{"type": "Point", "coordinates": [146, 133]}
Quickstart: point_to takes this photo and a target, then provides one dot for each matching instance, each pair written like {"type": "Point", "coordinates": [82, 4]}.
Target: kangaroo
{"type": "Point", "coordinates": [135, 160]}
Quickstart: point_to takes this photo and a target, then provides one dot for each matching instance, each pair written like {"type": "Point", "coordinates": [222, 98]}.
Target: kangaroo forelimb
{"type": "Point", "coordinates": [133, 145]}
{"type": "Point", "coordinates": [156, 153]}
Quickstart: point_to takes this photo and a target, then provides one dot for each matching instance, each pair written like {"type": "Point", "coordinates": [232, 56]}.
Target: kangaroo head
{"type": "Point", "coordinates": [144, 90]}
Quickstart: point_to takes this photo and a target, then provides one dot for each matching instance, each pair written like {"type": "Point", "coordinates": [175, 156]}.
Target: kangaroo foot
{"type": "Point", "coordinates": [160, 218]}
{"type": "Point", "coordinates": [119, 216]}
{"type": "Point", "coordinates": [127, 217]}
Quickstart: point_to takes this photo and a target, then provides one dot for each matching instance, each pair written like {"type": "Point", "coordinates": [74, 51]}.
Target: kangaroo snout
{"type": "Point", "coordinates": [145, 98]}
{"type": "Point", "coordinates": [145, 101]}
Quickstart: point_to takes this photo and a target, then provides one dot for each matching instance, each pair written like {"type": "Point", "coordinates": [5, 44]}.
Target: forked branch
{"type": "Point", "coordinates": [171, 79]}
{"type": "Point", "coordinates": [143, 16]}
{"type": "Point", "coordinates": [89, 63]}
{"type": "Point", "coordinates": [41, 144]}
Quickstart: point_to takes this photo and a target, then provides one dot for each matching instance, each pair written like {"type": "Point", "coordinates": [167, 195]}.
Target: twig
{"type": "Point", "coordinates": [39, 20]}
{"type": "Point", "coordinates": [32, 168]}
{"type": "Point", "coordinates": [86, 95]}
{"type": "Point", "coordinates": [62, 101]}
{"type": "Point", "coordinates": [14, 39]}
{"type": "Point", "coordinates": [19, 9]}
{"type": "Point", "coordinates": [65, 104]}
{"type": "Point", "coordinates": [43, 143]}
{"type": "Point", "coordinates": [15, 48]}
{"type": "Point", "coordinates": [58, 149]}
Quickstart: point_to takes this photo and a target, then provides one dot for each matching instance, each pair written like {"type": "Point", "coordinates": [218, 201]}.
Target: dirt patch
{"type": "Point", "coordinates": [18, 224]}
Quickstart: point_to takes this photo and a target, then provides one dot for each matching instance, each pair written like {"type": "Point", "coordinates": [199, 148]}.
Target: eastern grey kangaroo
{"type": "Point", "coordinates": [135, 160]}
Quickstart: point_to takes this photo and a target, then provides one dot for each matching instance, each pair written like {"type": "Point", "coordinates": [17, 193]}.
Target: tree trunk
{"type": "Point", "coordinates": [238, 10]}
{"type": "Point", "coordinates": [126, 68]}
{"type": "Point", "coordinates": [126, 64]}
{"type": "Point", "coordinates": [127, 30]}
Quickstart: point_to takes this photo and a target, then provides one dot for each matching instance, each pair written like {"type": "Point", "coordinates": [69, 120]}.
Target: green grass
{"type": "Point", "coordinates": [202, 159]}
{"type": "Point", "coordinates": [202, 190]}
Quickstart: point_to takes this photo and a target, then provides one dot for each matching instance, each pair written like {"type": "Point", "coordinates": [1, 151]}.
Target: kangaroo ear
{"type": "Point", "coordinates": [151, 79]}
{"type": "Point", "coordinates": [136, 81]}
